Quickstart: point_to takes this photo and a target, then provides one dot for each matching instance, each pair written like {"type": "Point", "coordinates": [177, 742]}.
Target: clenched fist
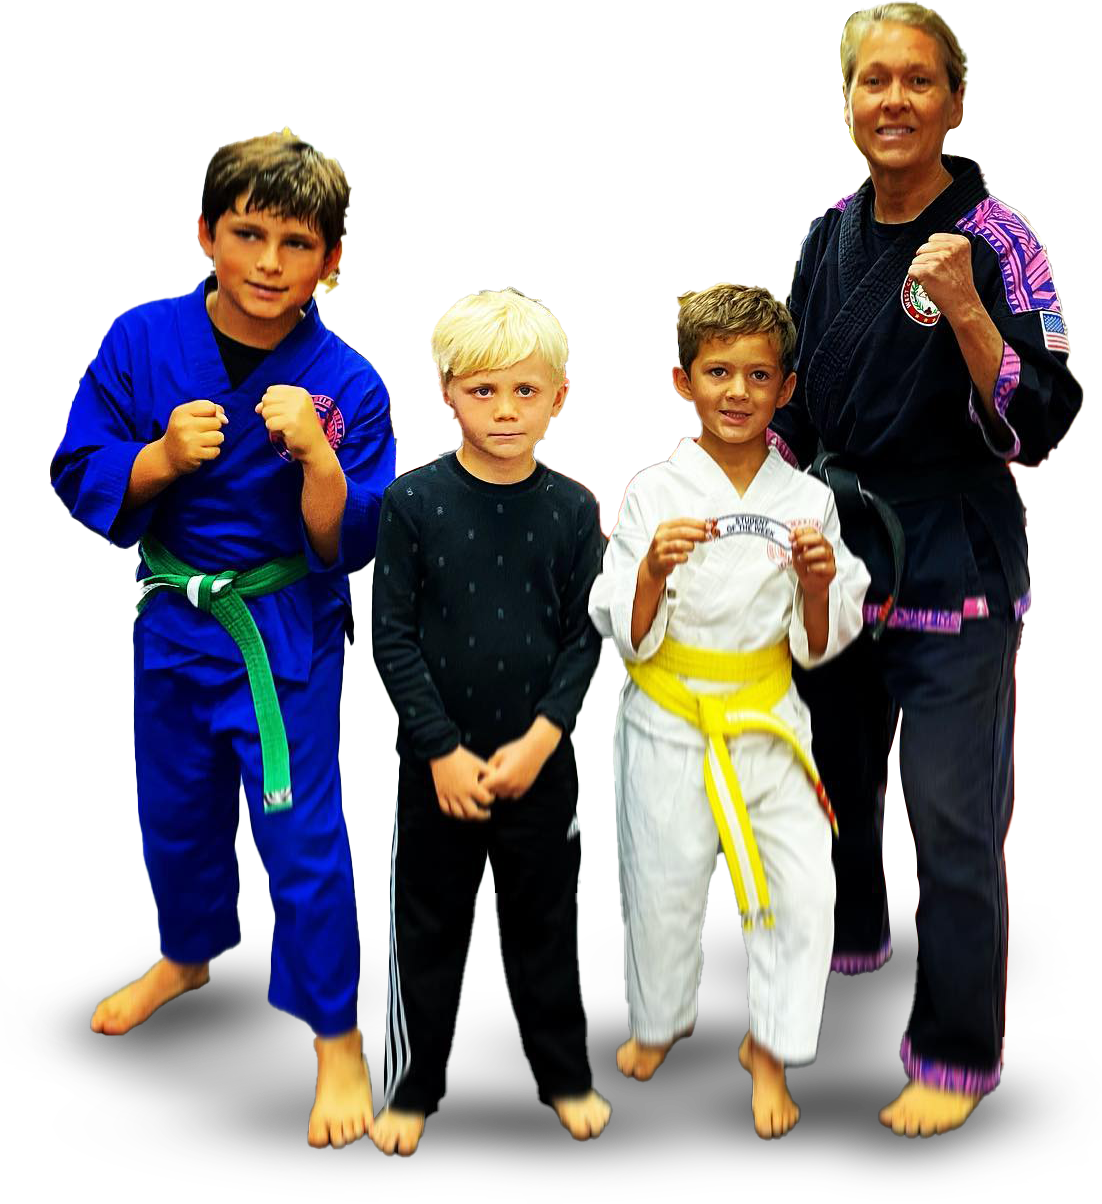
{"type": "Point", "coordinates": [673, 542]}
{"type": "Point", "coordinates": [813, 560]}
{"type": "Point", "coordinates": [943, 266]}
{"type": "Point", "coordinates": [194, 434]}
{"type": "Point", "coordinates": [289, 413]}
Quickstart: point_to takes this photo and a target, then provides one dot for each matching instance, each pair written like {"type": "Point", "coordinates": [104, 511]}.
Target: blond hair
{"type": "Point", "coordinates": [727, 311]}
{"type": "Point", "coordinates": [491, 330]}
{"type": "Point", "coordinates": [917, 17]}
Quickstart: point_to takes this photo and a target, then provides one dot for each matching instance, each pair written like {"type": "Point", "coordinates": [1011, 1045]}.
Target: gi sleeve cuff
{"type": "Point", "coordinates": [1006, 385]}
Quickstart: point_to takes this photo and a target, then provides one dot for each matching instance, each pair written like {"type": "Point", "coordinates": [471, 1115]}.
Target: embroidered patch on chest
{"type": "Point", "coordinates": [332, 423]}
{"type": "Point", "coordinates": [917, 304]}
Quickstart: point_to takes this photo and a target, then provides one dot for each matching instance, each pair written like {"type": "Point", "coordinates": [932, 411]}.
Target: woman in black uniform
{"type": "Point", "coordinates": [932, 353]}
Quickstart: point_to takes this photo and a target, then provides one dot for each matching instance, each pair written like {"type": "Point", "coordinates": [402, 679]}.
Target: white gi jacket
{"type": "Point", "coordinates": [737, 594]}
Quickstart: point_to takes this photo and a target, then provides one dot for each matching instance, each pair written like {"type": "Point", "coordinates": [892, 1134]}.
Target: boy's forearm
{"type": "Point", "coordinates": [150, 475]}
{"type": "Point", "coordinates": [648, 594]}
{"type": "Point", "coordinates": [816, 623]}
{"type": "Point", "coordinates": [543, 736]}
{"type": "Point", "coordinates": [324, 492]}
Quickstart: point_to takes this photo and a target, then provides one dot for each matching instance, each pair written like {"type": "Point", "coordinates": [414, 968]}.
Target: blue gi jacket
{"type": "Point", "coordinates": [244, 507]}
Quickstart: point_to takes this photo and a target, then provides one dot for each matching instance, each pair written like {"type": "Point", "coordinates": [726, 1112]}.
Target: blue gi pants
{"type": "Point", "coordinates": [196, 742]}
{"type": "Point", "coordinates": [956, 697]}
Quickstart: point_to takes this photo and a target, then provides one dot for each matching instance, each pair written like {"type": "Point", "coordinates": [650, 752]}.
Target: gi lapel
{"type": "Point", "coordinates": [865, 289]}
{"type": "Point", "coordinates": [284, 365]}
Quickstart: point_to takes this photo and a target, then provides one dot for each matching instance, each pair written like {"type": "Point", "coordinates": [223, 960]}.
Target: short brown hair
{"type": "Point", "coordinates": [917, 17]}
{"type": "Point", "coordinates": [283, 174]}
{"type": "Point", "coordinates": [726, 311]}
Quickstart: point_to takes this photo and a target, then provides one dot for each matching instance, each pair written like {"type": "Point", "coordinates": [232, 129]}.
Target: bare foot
{"type": "Point", "coordinates": [398, 1132]}
{"type": "Point", "coordinates": [921, 1110]}
{"type": "Point", "coordinates": [342, 1102]}
{"type": "Point", "coordinates": [136, 1002]}
{"type": "Point", "coordinates": [639, 1061]}
{"type": "Point", "coordinates": [775, 1111]}
{"type": "Point", "coordinates": [583, 1116]}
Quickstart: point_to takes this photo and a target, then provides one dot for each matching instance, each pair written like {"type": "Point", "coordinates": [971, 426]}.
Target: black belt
{"type": "Point", "coordinates": [878, 490]}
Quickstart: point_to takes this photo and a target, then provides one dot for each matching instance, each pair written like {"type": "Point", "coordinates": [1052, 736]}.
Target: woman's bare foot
{"type": "Point", "coordinates": [137, 1001]}
{"type": "Point", "coordinates": [775, 1111]}
{"type": "Point", "coordinates": [583, 1116]}
{"type": "Point", "coordinates": [342, 1102]}
{"type": "Point", "coordinates": [398, 1132]}
{"type": "Point", "coordinates": [639, 1061]}
{"type": "Point", "coordinates": [921, 1110]}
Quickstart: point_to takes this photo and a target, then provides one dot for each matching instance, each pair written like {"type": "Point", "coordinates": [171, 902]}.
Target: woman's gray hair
{"type": "Point", "coordinates": [914, 15]}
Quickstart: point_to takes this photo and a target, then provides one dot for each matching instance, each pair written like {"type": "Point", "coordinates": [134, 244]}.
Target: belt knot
{"type": "Point", "coordinates": [712, 712]}
{"type": "Point", "coordinates": [201, 589]}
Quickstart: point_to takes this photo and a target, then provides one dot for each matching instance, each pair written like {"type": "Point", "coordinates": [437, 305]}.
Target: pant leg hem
{"type": "Point", "coordinates": [548, 1097]}
{"type": "Point", "coordinates": [194, 953]}
{"type": "Point", "coordinates": [945, 1077]}
{"type": "Point", "coordinates": [861, 963]}
{"type": "Point", "coordinates": [667, 1033]}
{"type": "Point", "coordinates": [787, 1055]}
{"type": "Point", "coordinates": [324, 1024]}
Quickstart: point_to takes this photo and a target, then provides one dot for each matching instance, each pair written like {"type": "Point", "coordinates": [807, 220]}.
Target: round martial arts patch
{"type": "Point", "coordinates": [917, 303]}
{"type": "Point", "coordinates": [331, 419]}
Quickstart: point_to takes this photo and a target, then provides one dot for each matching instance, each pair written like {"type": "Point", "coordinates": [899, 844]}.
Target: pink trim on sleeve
{"type": "Point", "coordinates": [1010, 373]}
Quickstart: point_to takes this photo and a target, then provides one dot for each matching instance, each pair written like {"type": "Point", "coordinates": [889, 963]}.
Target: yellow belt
{"type": "Point", "coordinates": [766, 676]}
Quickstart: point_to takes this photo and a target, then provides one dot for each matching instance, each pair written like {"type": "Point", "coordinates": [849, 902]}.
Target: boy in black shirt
{"type": "Point", "coordinates": [483, 641]}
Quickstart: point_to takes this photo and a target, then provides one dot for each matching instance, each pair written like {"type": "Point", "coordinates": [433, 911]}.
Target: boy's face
{"type": "Point", "coordinates": [267, 266]}
{"type": "Point", "coordinates": [504, 412]}
{"type": "Point", "coordinates": [736, 384]}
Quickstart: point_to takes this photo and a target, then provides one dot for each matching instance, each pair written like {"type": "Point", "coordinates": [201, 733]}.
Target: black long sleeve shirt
{"type": "Point", "coordinates": [479, 615]}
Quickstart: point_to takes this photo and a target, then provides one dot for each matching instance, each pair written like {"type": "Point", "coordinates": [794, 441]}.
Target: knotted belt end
{"type": "Point", "coordinates": [824, 802]}
{"type": "Point", "coordinates": [277, 800]}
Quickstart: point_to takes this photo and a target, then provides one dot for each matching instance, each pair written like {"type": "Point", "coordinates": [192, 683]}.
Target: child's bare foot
{"type": "Point", "coordinates": [398, 1132]}
{"type": "Point", "coordinates": [583, 1116]}
{"type": "Point", "coordinates": [137, 1001]}
{"type": "Point", "coordinates": [921, 1111]}
{"type": "Point", "coordinates": [639, 1061]}
{"type": "Point", "coordinates": [775, 1111]}
{"type": "Point", "coordinates": [342, 1102]}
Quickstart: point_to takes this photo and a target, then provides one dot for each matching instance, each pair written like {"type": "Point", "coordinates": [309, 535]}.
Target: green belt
{"type": "Point", "coordinates": [222, 596]}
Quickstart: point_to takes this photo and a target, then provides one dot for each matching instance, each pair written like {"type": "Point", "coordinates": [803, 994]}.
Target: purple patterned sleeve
{"type": "Point", "coordinates": [1010, 374]}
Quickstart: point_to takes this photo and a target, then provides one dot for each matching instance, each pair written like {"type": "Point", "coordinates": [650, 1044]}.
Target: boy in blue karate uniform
{"type": "Point", "coordinates": [247, 448]}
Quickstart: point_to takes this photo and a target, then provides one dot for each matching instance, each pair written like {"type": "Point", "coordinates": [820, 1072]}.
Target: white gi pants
{"type": "Point", "coordinates": [668, 846]}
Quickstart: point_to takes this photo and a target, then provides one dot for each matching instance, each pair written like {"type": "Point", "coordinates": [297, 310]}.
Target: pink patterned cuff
{"type": "Point", "coordinates": [945, 1077]}
{"type": "Point", "coordinates": [861, 963]}
{"type": "Point", "coordinates": [1010, 373]}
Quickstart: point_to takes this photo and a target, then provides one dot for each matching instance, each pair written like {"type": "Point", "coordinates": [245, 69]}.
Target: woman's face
{"type": "Point", "coordinates": [900, 107]}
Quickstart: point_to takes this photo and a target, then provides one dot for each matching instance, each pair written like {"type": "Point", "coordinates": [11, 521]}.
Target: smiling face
{"type": "Point", "coordinates": [503, 413]}
{"type": "Point", "coordinates": [267, 267]}
{"type": "Point", "coordinates": [900, 105]}
{"type": "Point", "coordinates": [736, 384]}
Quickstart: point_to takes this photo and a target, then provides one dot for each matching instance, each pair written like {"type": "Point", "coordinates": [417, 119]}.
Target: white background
{"type": "Point", "coordinates": [604, 158]}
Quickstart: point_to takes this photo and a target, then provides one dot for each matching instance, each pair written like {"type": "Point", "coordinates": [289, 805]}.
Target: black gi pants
{"type": "Point", "coordinates": [435, 874]}
{"type": "Point", "coordinates": [956, 696]}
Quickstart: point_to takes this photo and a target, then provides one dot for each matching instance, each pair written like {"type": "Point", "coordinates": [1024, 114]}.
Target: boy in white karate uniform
{"type": "Point", "coordinates": [716, 603]}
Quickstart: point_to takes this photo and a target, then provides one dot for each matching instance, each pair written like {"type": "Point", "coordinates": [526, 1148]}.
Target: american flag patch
{"type": "Point", "coordinates": [1055, 332]}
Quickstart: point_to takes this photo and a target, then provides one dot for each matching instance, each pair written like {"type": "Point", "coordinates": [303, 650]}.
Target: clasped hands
{"type": "Point", "coordinates": [466, 785]}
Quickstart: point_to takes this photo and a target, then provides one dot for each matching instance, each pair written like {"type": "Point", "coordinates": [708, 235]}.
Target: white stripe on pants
{"type": "Point", "coordinates": [668, 845]}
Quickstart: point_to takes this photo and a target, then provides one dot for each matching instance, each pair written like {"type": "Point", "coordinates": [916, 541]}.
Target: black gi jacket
{"type": "Point", "coordinates": [881, 381]}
